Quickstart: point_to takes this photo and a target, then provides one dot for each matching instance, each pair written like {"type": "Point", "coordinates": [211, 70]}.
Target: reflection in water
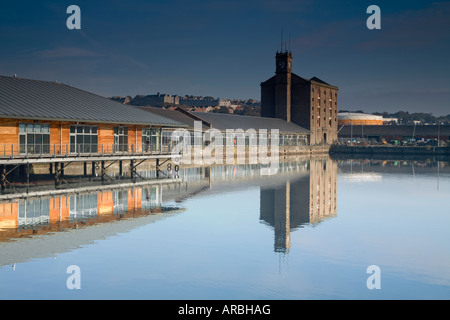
{"type": "Point", "coordinates": [302, 192]}
{"type": "Point", "coordinates": [31, 216]}
{"type": "Point", "coordinates": [112, 223]}
{"type": "Point", "coordinates": [302, 201]}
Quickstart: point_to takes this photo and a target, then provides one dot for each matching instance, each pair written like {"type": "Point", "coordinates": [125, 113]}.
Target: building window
{"type": "Point", "coordinates": [83, 139]}
{"type": "Point", "coordinates": [151, 139]}
{"type": "Point", "coordinates": [33, 212]}
{"type": "Point", "coordinates": [34, 138]}
{"type": "Point", "coordinates": [83, 206]}
{"type": "Point", "coordinates": [120, 201]}
{"type": "Point", "coordinates": [121, 139]}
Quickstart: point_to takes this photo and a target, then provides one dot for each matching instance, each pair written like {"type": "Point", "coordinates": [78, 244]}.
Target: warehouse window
{"type": "Point", "coordinates": [121, 139]}
{"type": "Point", "coordinates": [151, 139]}
{"type": "Point", "coordinates": [83, 139]}
{"type": "Point", "coordinates": [34, 138]}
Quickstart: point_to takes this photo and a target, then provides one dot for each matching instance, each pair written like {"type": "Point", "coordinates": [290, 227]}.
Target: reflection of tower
{"type": "Point", "coordinates": [299, 202]}
{"type": "Point", "coordinates": [323, 176]}
{"type": "Point", "coordinates": [284, 208]}
{"type": "Point", "coordinates": [275, 210]}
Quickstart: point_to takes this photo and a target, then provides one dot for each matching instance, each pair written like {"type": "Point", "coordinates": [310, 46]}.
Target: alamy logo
{"type": "Point", "coordinates": [374, 280]}
{"type": "Point", "coordinates": [73, 21]}
{"type": "Point", "coordinates": [74, 280]}
{"type": "Point", "coordinates": [235, 146]}
{"type": "Point", "coordinates": [374, 21]}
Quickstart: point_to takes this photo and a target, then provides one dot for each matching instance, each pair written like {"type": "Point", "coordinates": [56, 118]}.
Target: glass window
{"type": "Point", "coordinates": [151, 140]}
{"type": "Point", "coordinates": [121, 139]}
{"type": "Point", "coordinates": [34, 138]}
{"type": "Point", "coordinates": [83, 139]}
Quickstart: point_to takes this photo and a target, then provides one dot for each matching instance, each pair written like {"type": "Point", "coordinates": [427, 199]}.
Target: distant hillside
{"type": "Point", "coordinates": [249, 107]}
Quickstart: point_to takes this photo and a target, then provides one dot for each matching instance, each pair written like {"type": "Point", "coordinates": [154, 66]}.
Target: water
{"type": "Point", "coordinates": [309, 232]}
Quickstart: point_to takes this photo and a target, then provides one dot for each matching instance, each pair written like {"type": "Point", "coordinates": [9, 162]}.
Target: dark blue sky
{"type": "Point", "coordinates": [226, 48]}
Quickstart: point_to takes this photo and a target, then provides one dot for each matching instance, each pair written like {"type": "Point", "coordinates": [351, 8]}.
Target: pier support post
{"type": "Point", "coordinates": [132, 169]}
{"type": "Point", "coordinates": [3, 178]}
{"type": "Point", "coordinates": [28, 176]}
{"type": "Point", "coordinates": [103, 170]}
{"type": "Point", "coordinates": [85, 168]}
{"type": "Point", "coordinates": [157, 168]}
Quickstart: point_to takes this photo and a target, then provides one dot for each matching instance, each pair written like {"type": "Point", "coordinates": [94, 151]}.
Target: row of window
{"type": "Point", "coordinates": [252, 139]}
{"type": "Point", "coordinates": [35, 139]}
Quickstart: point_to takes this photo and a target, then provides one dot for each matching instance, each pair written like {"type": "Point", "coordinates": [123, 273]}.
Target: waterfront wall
{"type": "Point", "coordinates": [390, 150]}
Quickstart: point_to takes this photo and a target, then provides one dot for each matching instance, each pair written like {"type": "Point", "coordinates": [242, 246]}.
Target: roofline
{"type": "Point", "coordinates": [276, 119]}
{"type": "Point", "coordinates": [91, 121]}
{"type": "Point", "coordinates": [264, 83]}
{"type": "Point", "coordinates": [193, 116]}
{"type": "Point", "coordinates": [324, 84]}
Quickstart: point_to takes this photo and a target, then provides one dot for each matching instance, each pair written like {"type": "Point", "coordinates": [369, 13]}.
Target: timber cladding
{"type": "Point", "coordinates": [9, 131]}
{"type": "Point", "coordinates": [60, 135]}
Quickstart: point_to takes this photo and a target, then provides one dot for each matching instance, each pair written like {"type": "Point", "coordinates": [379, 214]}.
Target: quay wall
{"type": "Point", "coordinates": [390, 150]}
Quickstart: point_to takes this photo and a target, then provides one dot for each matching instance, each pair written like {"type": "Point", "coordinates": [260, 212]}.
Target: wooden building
{"type": "Point", "coordinates": [50, 118]}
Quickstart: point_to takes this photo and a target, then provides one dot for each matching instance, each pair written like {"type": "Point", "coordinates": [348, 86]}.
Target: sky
{"type": "Point", "coordinates": [226, 48]}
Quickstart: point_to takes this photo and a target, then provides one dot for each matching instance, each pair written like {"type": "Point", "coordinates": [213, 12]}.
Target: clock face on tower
{"type": "Point", "coordinates": [281, 64]}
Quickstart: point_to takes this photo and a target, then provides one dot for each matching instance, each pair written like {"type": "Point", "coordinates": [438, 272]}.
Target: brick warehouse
{"type": "Point", "coordinates": [312, 104]}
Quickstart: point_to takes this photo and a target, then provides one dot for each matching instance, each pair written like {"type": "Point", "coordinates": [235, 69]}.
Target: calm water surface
{"type": "Point", "coordinates": [310, 232]}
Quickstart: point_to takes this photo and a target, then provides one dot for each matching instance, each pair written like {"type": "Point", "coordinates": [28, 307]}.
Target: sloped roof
{"type": "Point", "coordinates": [44, 100]}
{"type": "Point", "coordinates": [172, 114]}
{"type": "Point", "coordinates": [298, 80]}
{"type": "Point", "coordinates": [222, 121]}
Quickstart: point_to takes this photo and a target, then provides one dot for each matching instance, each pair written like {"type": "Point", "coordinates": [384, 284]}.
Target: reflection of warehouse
{"type": "Point", "coordinates": [308, 200]}
{"type": "Point", "coordinates": [29, 216]}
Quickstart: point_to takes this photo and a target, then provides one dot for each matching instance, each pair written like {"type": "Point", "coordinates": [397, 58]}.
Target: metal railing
{"type": "Point", "coordinates": [73, 150]}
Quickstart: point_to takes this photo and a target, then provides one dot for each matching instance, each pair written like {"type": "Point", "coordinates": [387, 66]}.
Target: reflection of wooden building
{"type": "Point", "coordinates": [39, 215]}
{"type": "Point", "coordinates": [300, 202]}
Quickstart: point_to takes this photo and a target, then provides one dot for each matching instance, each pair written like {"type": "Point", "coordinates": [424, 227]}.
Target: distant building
{"type": "Point", "coordinates": [356, 118]}
{"type": "Point", "coordinates": [398, 132]}
{"type": "Point", "coordinates": [163, 99]}
{"type": "Point", "coordinates": [310, 103]}
{"type": "Point", "coordinates": [202, 102]}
